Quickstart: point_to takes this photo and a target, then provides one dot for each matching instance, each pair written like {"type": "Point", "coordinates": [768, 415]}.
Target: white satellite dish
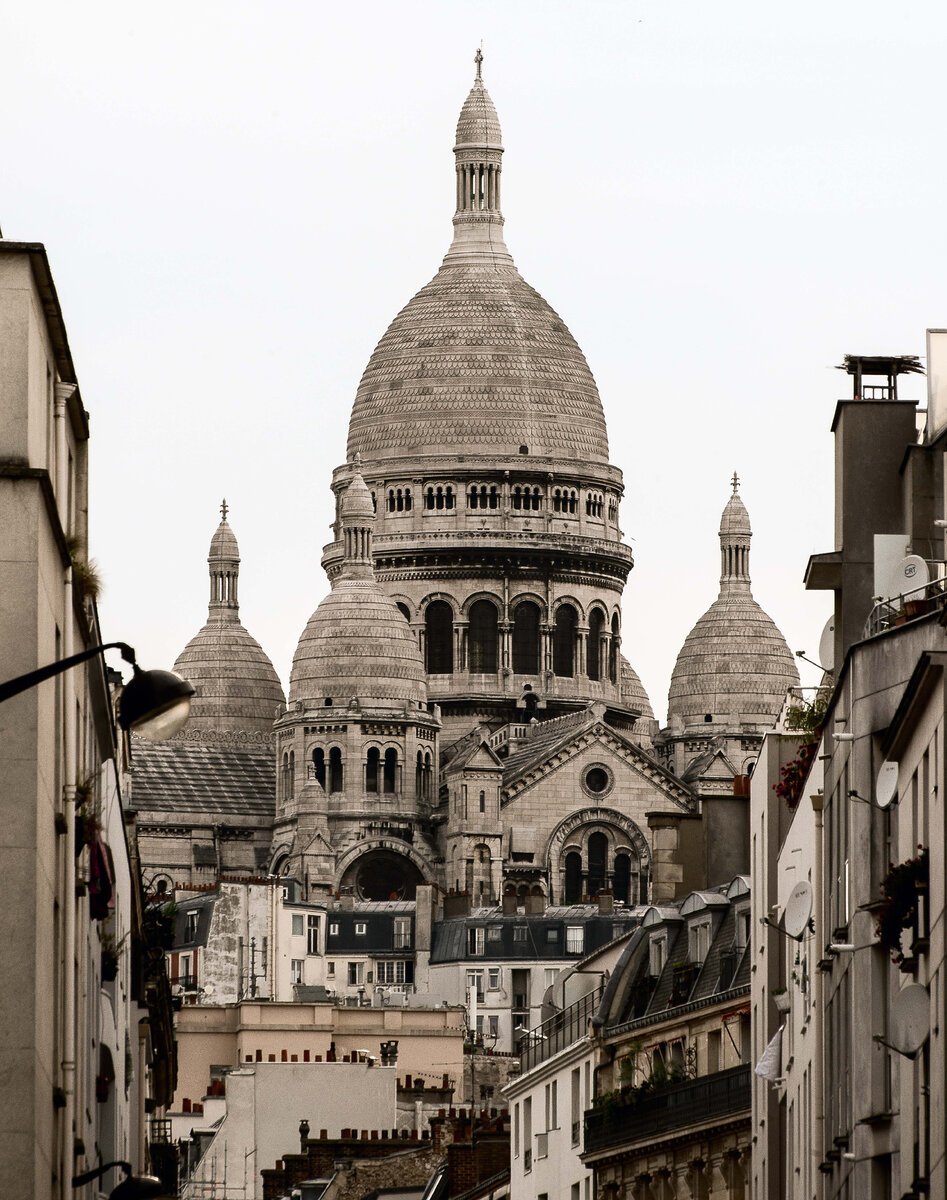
{"type": "Point", "coordinates": [886, 785]}
{"type": "Point", "coordinates": [910, 575]}
{"type": "Point", "coordinates": [909, 1019]}
{"type": "Point", "coordinates": [827, 646]}
{"type": "Point", "coordinates": [798, 910]}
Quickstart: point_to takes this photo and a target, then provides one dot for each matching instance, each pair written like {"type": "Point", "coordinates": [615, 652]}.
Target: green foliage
{"type": "Point", "coordinates": [899, 908]}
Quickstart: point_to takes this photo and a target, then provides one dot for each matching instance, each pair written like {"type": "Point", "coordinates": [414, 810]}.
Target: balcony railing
{"type": "Point", "coordinates": [712, 1097]}
{"type": "Point", "coordinates": [559, 1031]}
{"type": "Point", "coordinates": [909, 605]}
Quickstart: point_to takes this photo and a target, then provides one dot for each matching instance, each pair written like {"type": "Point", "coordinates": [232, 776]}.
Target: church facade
{"type": "Point", "coordinates": [460, 712]}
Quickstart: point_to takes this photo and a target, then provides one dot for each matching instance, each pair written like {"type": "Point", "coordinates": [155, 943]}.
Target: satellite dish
{"type": "Point", "coordinates": [909, 1019]}
{"type": "Point", "coordinates": [827, 646]}
{"type": "Point", "coordinates": [910, 575]}
{"type": "Point", "coordinates": [798, 910]}
{"type": "Point", "coordinates": [886, 785]}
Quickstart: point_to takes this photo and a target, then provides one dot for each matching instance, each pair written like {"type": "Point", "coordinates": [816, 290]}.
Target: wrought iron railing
{"type": "Point", "coordinates": [908, 606]}
{"type": "Point", "coordinates": [619, 1121]}
{"type": "Point", "coordinates": [559, 1032]}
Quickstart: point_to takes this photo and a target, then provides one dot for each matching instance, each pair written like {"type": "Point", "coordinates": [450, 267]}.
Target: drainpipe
{"type": "Point", "coordinates": [68, 1064]}
{"type": "Point", "coordinates": [818, 1114]}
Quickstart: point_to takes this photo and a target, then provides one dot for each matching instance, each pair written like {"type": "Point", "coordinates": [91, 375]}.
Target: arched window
{"type": "Point", "coordinates": [622, 881]}
{"type": "Point", "coordinates": [335, 770]}
{"type": "Point", "coordinates": [563, 651]}
{"type": "Point", "coordinates": [439, 624]}
{"type": "Point", "coordinates": [428, 776]}
{"type": "Point", "coordinates": [483, 638]}
{"type": "Point", "coordinates": [526, 639]}
{"type": "Point", "coordinates": [593, 660]}
{"type": "Point", "coordinates": [419, 777]}
{"type": "Point", "coordinates": [598, 863]}
{"type": "Point", "coordinates": [319, 765]}
{"type": "Point", "coordinates": [483, 496]}
{"type": "Point", "coordinates": [284, 777]}
{"type": "Point", "coordinates": [573, 878]}
{"type": "Point", "coordinates": [371, 770]}
{"type": "Point", "coordinates": [391, 771]}
{"type": "Point", "coordinates": [613, 652]}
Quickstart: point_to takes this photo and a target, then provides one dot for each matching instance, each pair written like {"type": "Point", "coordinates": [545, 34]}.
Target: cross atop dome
{"type": "Point", "coordinates": [735, 482]}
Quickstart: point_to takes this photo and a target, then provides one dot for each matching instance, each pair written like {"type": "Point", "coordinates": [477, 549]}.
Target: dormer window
{"type": "Point", "coordinates": [698, 940]}
{"type": "Point", "coordinates": [657, 954]}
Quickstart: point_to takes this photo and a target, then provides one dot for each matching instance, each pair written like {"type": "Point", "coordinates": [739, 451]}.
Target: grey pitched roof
{"type": "Point", "coordinates": [171, 777]}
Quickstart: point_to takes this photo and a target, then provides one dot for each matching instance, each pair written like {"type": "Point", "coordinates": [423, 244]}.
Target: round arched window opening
{"type": "Point", "coordinates": [597, 780]}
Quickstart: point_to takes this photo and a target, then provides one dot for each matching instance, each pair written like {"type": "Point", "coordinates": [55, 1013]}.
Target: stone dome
{"type": "Point", "coordinates": [357, 646]}
{"type": "Point", "coordinates": [632, 690]}
{"type": "Point", "coordinates": [477, 363]}
{"type": "Point", "coordinates": [236, 686]}
{"type": "Point", "coordinates": [735, 665]}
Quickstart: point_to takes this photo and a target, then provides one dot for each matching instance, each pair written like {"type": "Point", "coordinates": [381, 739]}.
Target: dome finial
{"type": "Point", "coordinates": [735, 482]}
{"type": "Point", "coordinates": [224, 508]}
{"type": "Point", "coordinates": [478, 59]}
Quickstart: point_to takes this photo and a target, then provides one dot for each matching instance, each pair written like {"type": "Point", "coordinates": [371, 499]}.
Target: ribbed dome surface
{"type": "Point", "coordinates": [632, 690]}
{"type": "Point", "coordinates": [237, 688]}
{"type": "Point", "coordinates": [478, 363]}
{"type": "Point", "coordinates": [224, 543]}
{"type": "Point", "coordinates": [478, 123]}
{"type": "Point", "coordinates": [734, 661]}
{"type": "Point", "coordinates": [734, 519]}
{"type": "Point", "coordinates": [357, 645]}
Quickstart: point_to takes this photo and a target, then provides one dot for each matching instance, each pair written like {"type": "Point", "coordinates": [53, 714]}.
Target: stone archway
{"type": "Point", "coordinates": [597, 847]}
{"type": "Point", "coordinates": [381, 870]}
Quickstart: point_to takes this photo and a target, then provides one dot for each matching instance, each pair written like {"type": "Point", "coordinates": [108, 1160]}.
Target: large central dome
{"type": "Point", "coordinates": [477, 362]}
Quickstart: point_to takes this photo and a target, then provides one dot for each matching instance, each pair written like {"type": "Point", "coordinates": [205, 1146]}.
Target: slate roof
{"type": "Point", "coordinates": [170, 777]}
{"type": "Point", "coordinates": [449, 940]}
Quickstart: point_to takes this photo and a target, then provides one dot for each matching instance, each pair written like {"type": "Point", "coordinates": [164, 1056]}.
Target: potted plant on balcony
{"type": "Point", "coordinates": [807, 719]}
{"type": "Point", "coordinates": [899, 908]}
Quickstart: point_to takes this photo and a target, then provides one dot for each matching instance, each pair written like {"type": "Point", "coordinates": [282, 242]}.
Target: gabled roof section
{"type": "Point", "coordinates": [558, 740]}
{"type": "Point", "coordinates": [701, 766]}
{"type": "Point", "coordinates": [219, 780]}
{"type": "Point", "coordinates": [461, 753]}
{"type": "Point", "coordinates": [698, 901]}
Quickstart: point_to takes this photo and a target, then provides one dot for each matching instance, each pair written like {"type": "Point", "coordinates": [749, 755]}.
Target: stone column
{"type": "Point", "coordinates": [581, 649]}
{"type": "Point", "coordinates": [506, 643]}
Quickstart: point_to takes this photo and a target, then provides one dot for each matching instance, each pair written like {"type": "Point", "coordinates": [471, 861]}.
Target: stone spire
{"type": "Point", "coordinates": [735, 534]}
{"type": "Point", "coordinates": [478, 153]}
{"type": "Point", "coordinates": [223, 561]}
{"type": "Point", "coordinates": [358, 521]}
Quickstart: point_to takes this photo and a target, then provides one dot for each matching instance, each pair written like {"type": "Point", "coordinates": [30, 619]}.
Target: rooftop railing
{"type": "Point", "coordinates": [908, 606]}
{"type": "Point", "coordinates": [560, 1031]}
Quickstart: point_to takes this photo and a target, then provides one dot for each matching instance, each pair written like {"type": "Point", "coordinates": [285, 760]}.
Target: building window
{"type": "Point", "coordinates": [312, 935]}
{"type": "Point", "coordinates": [402, 933]}
{"type": "Point", "coordinates": [613, 652]}
{"type": "Point", "coordinates": [361, 928]}
{"type": "Point", "coordinates": [319, 765]}
{"type": "Point", "coordinates": [371, 769]}
{"type": "Point", "coordinates": [494, 933]}
{"type": "Point", "coordinates": [483, 805]}
{"type": "Point", "coordinates": [297, 924]}
{"type": "Point", "coordinates": [493, 1024]}
{"type": "Point", "coordinates": [399, 499]}
{"type": "Point", "coordinates": [519, 933]}
{"type": "Point", "coordinates": [439, 638]}
{"type": "Point", "coordinates": [597, 862]}
{"type": "Point", "coordinates": [394, 971]}
{"type": "Point", "coordinates": [356, 974]}
{"type": "Point", "coordinates": [552, 934]}
{"type": "Point", "coordinates": [621, 880]}
{"type": "Point", "coordinates": [475, 982]}
{"type": "Point", "coordinates": [593, 662]}
{"type": "Point", "coordinates": [482, 635]}
{"type": "Point", "coordinates": [549, 976]}
{"type": "Point", "coordinates": [296, 970]}
{"type": "Point", "coordinates": [475, 940]}
{"type": "Point", "coordinates": [483, 496]}
{"type": "Point", "coordinates": [698, 941]}
{"type": "Point", "coordinates": [565, 500]}
{"type": "Point", "coordinates": [391, 771]}
{"type": "Point", "coordinates": [526, 499]}
{"type": "Point", "coordinates": [437, 497]}
{"type": "Point", "coordinates": [575, 939]}
{"type": "Point", "coordinates": [563, 650]}
{"type": "Point", "coordinates": [190, 929]}
{"type": "Point", "coordinates": [594, 504]}
{"type": "Point", "coordinates": [330, 970]}
{"type": "Point", "coordinates": [526, 639]}
{"type": "Point", "coordinates": [333, 929]}
{"type": "Point", "coordinates": [657, 955]}
{"type": "Point", "coordinates": [335, 770]}
{"type": "Point", "coordinates": [493, 976]}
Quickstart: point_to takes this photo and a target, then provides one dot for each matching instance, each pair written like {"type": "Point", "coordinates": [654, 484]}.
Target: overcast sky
{"type": "Point", "coordinates": [721, 200]}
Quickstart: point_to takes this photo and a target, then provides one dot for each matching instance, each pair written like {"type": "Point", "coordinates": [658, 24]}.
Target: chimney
{"type": "Point", "coordinates": [509, 903]}
{"type": "Point", "coordinates": [456, 904]}
{"type": "Point", "coordinates": [536, 900]}
{"type": "Point", "coordinates": [606, 903]}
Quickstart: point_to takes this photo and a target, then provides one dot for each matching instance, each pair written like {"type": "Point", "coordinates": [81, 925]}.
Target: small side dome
{"type": "Point", "coordinates": [632, 690]}
{"type": "Point", "coordinates": [735, 519]}
{"type": "Point", "coordinates": [478, 124]}
{"type": "Point", "coordinates": [357, 500]}
{"type": "Point", "coordinates": [224, 544]}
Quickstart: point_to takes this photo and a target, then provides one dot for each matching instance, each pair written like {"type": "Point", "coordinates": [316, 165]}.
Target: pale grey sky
{"type": "Point", "coordinates": [720, 200]}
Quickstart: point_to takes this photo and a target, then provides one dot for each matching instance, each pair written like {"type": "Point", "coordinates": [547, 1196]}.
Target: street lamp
{"type": "Point", "coordinates": [132, 1187]}
{"type": "Point", "coordinates": [153, 704]}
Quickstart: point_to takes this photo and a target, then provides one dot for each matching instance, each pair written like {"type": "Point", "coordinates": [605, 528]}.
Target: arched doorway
{"type": "Point", "coordinates": [526, 639]}
{"type": "Point", "coordinates": [439, 638]}
{"type": "Point", "coordinates": [482, 633]}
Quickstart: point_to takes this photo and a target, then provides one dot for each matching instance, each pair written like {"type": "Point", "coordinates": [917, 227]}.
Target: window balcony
{"type": "Point", "coordinates": [620, 1122]}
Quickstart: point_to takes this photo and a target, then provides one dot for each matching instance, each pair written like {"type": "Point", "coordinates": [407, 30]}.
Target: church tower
{"type": "Point", "coordinates": [483, 443]}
